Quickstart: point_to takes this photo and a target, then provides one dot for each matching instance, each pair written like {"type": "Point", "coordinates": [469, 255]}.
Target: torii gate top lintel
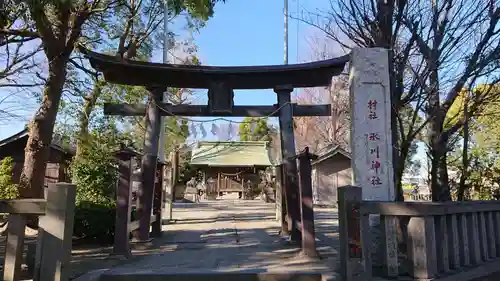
{"type": "Point", "coordinates": [130, 72]}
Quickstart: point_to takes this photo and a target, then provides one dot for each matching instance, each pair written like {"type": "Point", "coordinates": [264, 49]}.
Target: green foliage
{"type": "Point", "coordinates": [176, 133]}
{"type": "Point", "coordinates": [95, 222]}
{"type": "Point", "coordinates": [186, 171]}
{"type": "Point", "coordinates": [407, 186]}
{"type": "Point", "coordinates": [483, 171]}
{"type": "Point", "coordinates": [200, 9]}
{"type": "Point", "coordinates": [255, 129]}
{"type": "Point", "coordinates": [8, 190]}
{"type": "Point", "coordinates": [95, 173]}
{"type": "Point", "coordinates": [483, 177]}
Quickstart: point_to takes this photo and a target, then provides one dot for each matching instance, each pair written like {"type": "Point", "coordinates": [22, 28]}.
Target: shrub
{"type": "Point", "coordinates": [95, 173]}
{"type": "Point", "coordinates": [8, 190]}
{"type": "Point", "coordinates": [95, 222]}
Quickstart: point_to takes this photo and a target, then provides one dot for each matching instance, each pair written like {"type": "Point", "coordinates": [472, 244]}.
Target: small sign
{"type": "Point", "coordinates": [354, 230]}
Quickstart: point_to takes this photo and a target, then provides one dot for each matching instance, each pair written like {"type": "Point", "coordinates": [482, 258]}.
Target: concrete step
{"type": "Point", "coordinates": [247, 275]}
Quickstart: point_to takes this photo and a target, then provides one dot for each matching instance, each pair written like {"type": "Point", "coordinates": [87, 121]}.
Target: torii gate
{"type": "Point", "coordinates": [220, 82]}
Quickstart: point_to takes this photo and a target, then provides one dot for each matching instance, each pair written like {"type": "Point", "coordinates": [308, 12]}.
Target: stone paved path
{"type": "Point", "coordinates": [231, 235]}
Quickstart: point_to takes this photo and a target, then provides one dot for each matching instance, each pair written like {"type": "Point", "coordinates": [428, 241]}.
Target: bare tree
{"type": "Point", "coordinates": [58, 24]}
{"type": "Point", "coordinates": [438, 47]}
{"type": "Point", "coordinates": [459, 41]}
{"type": "Point", "coordinates": [133, 35]}
{"type": "Point", "coordinates": [13, 106]}
{"type": "Point", "coordinates": [370, 23]}
{"type": "Point", "coordinates": [17, 53]}
{"type": "Point", "coordinates": [317, 132]}
{"type": "Point", "coordinates": [19, 62]}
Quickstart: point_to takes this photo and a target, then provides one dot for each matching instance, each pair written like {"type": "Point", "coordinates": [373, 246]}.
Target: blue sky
{"type": "Point", "coordinates": [245, 32]}
{"type": "Point", "coordinates": [242, 32]}
{"type": "Point", "coordinates": [252, 33]}
{"type": "Point", "coordinates": [248, 33]}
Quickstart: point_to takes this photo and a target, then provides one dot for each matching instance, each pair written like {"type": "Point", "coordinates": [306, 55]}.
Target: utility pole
{"type": "Point", "coordinates": [285, 14]}
{"type": "Point", "coordinates": [290, 189]}
{"type": "Point", "coordinates": [168, 186]}
{"type": "Point", "coordinates": [166, 47]}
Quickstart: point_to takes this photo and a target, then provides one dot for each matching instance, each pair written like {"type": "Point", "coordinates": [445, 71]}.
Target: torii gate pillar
{"type": "Point", "coordinates": [290, 180]}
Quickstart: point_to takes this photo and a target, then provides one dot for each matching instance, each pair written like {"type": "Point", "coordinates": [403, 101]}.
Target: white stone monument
{"type": "Point", "coordinates": [371, 144]}
{"type": "Point", "coordinates": [371, 141]}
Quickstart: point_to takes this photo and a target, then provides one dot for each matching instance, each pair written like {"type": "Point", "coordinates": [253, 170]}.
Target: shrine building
{"type": "Point", "coordinates": [231, 166]}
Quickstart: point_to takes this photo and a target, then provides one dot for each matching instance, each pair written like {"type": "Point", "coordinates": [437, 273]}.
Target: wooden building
{"type": "Point", "coordinates": [57, 165]}
{"type": "Point", "coordinates": [331, 170]}
{"type": "Point", "coordinates": [231, 166]}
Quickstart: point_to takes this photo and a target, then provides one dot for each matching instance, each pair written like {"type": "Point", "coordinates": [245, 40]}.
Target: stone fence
{"type": "Point", "coordinates": [443, 241]}
{"type": "Point", "coordinates": [55, 229]}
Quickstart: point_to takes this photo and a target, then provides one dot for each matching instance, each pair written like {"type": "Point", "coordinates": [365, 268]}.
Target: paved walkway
{"type": "Point", "coordinates": [232, 235]}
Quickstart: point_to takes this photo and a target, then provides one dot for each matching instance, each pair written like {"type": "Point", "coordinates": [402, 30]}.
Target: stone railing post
{"type": "Point", "coordinates": [492, 249]}
{"type": "Point", "coordinates": [349, 197]}
{"type": "Point", "coordinates": [53, 255]}
{"type": "Point", "coordinates": [15, 244]}
{"type": "Point", "coordinates": [422, 252]}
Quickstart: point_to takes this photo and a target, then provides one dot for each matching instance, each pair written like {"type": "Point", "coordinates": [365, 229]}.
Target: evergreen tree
{"type": "Point", "coordinates": [255, 129]}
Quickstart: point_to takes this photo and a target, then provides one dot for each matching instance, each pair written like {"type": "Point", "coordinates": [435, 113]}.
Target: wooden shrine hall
{"type": "Point", "coordinates": [230, 166]}
{"type": "Point", "coordinates": [220, 83]}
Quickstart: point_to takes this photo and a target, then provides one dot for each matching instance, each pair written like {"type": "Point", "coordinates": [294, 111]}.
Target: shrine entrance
{"type": "Point", "coordinates": [296, 205]}
{"type": "Point", "coordinates": [231, 183]}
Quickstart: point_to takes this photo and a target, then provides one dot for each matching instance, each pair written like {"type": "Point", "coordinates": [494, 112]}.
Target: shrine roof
{"type": "Point", "coordinates": [231, 153]}
{"type": "Point", "coordinates": [56, 143]}
{"type": "Point", "coordinates": [131, 72]}
{"type": "Point", "coordinates": [330, 151]}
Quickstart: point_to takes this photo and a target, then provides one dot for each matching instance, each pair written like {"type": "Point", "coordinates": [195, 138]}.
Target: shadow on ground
{"type": "Point", "coordinates": [216, 236]}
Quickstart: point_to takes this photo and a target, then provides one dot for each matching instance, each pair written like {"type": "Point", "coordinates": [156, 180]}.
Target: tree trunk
{"type": "Point", "coordinates": [399, 170]}
{"type": "Point", "coordinates": [444, 182]}
{"type": "Point", "coordinates": [40, 132]}
{"type": "Point", "coordinates": [465, 158]}
{"type": "Point", "coordinates": [439, 171]}
{"type": "Point", "coordinates": [438, 144]}
{"type": "Point", "coordinates": [88, 107]}
{"type": "Point", "coordinates": [383, 38]}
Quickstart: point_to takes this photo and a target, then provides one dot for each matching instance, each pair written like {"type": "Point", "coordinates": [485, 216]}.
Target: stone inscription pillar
{"type": "Point", "coordinates": [371, 123]}
{"type": "Point", "coordinates": [371, 145]}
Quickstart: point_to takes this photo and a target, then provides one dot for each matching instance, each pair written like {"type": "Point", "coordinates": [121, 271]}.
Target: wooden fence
{"type": "Point", "coordinates": [124, 225]}
{"type": "Point", "coordinates": [449, 240]}
{"type": "Point", "coordinates": [55, 229]}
